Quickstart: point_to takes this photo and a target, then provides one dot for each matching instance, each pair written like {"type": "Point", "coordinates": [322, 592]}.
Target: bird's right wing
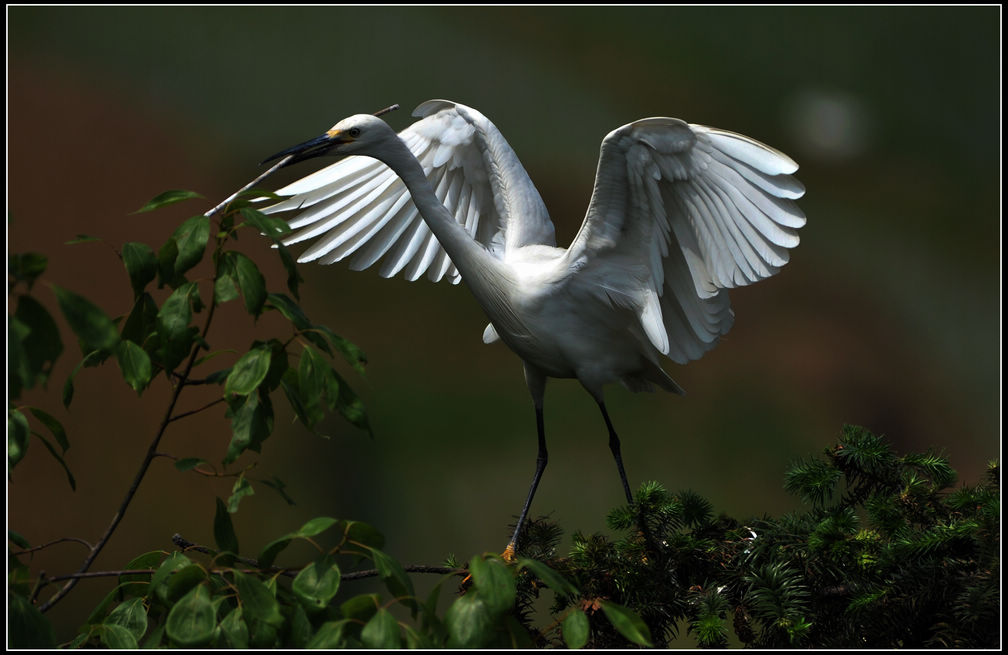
{"type": "Point", "coordinates": [680, 213]}
{"type": "Point", "coordinates": [359, 207]}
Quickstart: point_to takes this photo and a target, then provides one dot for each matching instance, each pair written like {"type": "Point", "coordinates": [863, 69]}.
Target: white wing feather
{"type": "Point", "coordinates": [679, 214]}
{"type": "Point", "coordinates": [358, 207]}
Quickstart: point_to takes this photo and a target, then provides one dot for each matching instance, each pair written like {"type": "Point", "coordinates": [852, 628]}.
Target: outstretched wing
{"type": "Point", "coordinates": [680, 213]}
{"type": "Point", "coordinates": [358, 207]}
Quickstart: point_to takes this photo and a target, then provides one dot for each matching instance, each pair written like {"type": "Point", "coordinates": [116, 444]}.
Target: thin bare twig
{"type": "Point", "coordinates": [248, 186]}
{"type": "Point", "coordinates": [53, 543]}
{"type": "Point", "coordinates": [196, 411]}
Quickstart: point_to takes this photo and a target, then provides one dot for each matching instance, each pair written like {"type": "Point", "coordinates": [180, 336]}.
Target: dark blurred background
{"type": "Point", "coordinates": [887, 316]}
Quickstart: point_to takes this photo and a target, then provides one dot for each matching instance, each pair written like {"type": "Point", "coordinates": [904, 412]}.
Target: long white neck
{"type": "Point", "coordinates": [477, 266]}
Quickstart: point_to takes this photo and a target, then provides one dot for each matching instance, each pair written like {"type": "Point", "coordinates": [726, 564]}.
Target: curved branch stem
{"type": "Point", "coordinates": [53, 543]}
{"type": "Point", "coordinates": [197, 411]}
{"type": "Point", "coordinates": [131, 492]}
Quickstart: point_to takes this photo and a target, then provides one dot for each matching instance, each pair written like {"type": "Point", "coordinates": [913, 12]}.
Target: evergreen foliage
{"type": "Point", "coordinates": [886, 554]}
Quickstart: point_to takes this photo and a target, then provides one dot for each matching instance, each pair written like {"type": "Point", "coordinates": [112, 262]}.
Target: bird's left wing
{"type": "Point", "coordinates": [358, 207]}
{"type": "Point", "coordinates": [680, 213]}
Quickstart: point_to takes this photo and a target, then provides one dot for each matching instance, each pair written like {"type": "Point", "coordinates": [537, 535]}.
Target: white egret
{"type": "Point", "coordinates": [679, 214]}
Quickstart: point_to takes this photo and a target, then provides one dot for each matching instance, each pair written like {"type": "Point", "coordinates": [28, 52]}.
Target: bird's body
{"type": "Point", "coordinates": [679, 213]}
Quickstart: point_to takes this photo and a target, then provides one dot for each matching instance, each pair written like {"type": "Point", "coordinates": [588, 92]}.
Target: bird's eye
{"type": "Point", "coordinates": [354, 132]}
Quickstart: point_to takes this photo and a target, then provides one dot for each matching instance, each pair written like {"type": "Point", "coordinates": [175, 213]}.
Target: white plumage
{"type": "Point", "coordinates": [679, 213]}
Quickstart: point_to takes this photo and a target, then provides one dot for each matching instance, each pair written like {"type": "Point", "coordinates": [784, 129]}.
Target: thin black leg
{"type": "Point", "coordinates": [614, 446]}
{"type": "Point", "coordinates": [541, 459]}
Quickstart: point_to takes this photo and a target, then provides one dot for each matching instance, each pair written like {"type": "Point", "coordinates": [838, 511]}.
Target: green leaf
{"type": "Point", "coordinates": [131, 615]}
{"type": "Point", "coordinates": [278, 485]}
{"type": "Point", "coordinates": [300, 629]}
{"type": "Point", "coordinates": [27, 626]}
{"type": "Point", "coordinates": [470, 622]}
{"type": "Point", "coordinates": [18, 434]}
{"type": "Point", "coordinates": [174, 562]}
{"type": "Point", "coordinates": [54, 426]}
{"type": "Point", "coordinates": [317, 584]}
{"type": "Point", "coordinates": [351, 353]}
{"type": "Point", "coordinates": [59, 458]}
{"type": "Point", "coordinates": [330, 635]}
{"type": "Point", "coordinates": [278, 364]}
{"type": "Point", "coordinates": [141, 265]}
{"type": "Point", "coordinates": [309, 529]}
{"type": "Point", "coordinates": [135, 365]}
{"type": "Point", "coordinates": [27, 267]}
{"type": "Point", "coordinates": [417, 640]}
{"type": "Point", "coordinates": [575, 629]}
{"type": "Point", "coordinates": [293, 276]}
{"type": "Point", "coordinates": [347, 402]}
{"type": "Point", "coordinates": [361, 608]}
{"type": "Point", "coordinates": [394, 576]}
{"type": "Point", "coordinates": [166, 265]}
{"type": "Point", "coordinates": [240, 489]}
{"type": "Point", "coordinates": [189, 463]}
{"type": "Point", "coordinates": [313, 372]}
{"type": "Point", "coordinates": [234, 630]}
{"type": "Point", "coordinates": [141, 323]}
{"type": "Point", "coordinates": [191, 239]}
{"type": "Point", "coordinates": [18, 539]}
{"type": "Point", "coordinates": [250, 281]}
{"type": "Point", "coordinates": [167, 198]}
{"type": "Point", "coordinates": [382, 631]}
{"type": "Point", "coordinates": [183, 580]}
{"type": "Point", "coordinates": [248, 372]}
{"type": "Point", "coordinates": [263, 635]}
{"type": "Point", "coordinates": [495, 583]}
{"type": "Point", "coordinates": [94, 329]}
{"type": "Point", "coordinates": [627, 623]}
{"type": "Point", "coordinates": [270, 227]}
{"type": "Point", "coordinates": [364, 534]}
{"type": "Point", "coordinates": [292, 390]}
{"type": "Point", "coordinates": [117, 637]}
{"type": "Point", "coordinates": [224, 533]}
{"type": "Point", "coordinates": [224, 289]}
{"type": "Point", "coordinates": [174, 332]}
{"type": "Point", "coordinates": [257, 600]}
{"type": "Point", "coordinates": [35, 344]}
{"type": "Point", "coordinates": [150, 560]}
{"type": "Point", "coordinates": [290, 310]}
{"type": "Point", "coordinates": [316, 526]}
{"type": "Point", "coordinates": [21, 374]}
{"type": "Point", "coordinates": [68, 386]}
{"type": "Point", "coordinates": [192, 620]}
{"type": "Point", "coordinates": [251, 424]}
{"type": "Point", "coordinates": [551, 578]}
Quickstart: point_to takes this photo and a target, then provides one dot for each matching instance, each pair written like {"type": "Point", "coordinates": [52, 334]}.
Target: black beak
{"type": "Point", "coordinates": [314, 148]}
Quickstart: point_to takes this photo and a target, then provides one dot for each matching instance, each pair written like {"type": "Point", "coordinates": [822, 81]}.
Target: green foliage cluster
{"type": "Point", "coordinates": [886, 555]}
{"type": "Point", "coordinates": [216, 598]}
{"type": "Point", "coordinates": [153, 338]}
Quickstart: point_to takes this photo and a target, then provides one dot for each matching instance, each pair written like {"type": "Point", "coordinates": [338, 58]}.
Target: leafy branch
{"type": "Point", "coordinates": [154, 339]}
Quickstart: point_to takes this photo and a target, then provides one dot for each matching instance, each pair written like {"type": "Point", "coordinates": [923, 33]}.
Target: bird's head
{"type": "Point", "coordinates": [357, 134]}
